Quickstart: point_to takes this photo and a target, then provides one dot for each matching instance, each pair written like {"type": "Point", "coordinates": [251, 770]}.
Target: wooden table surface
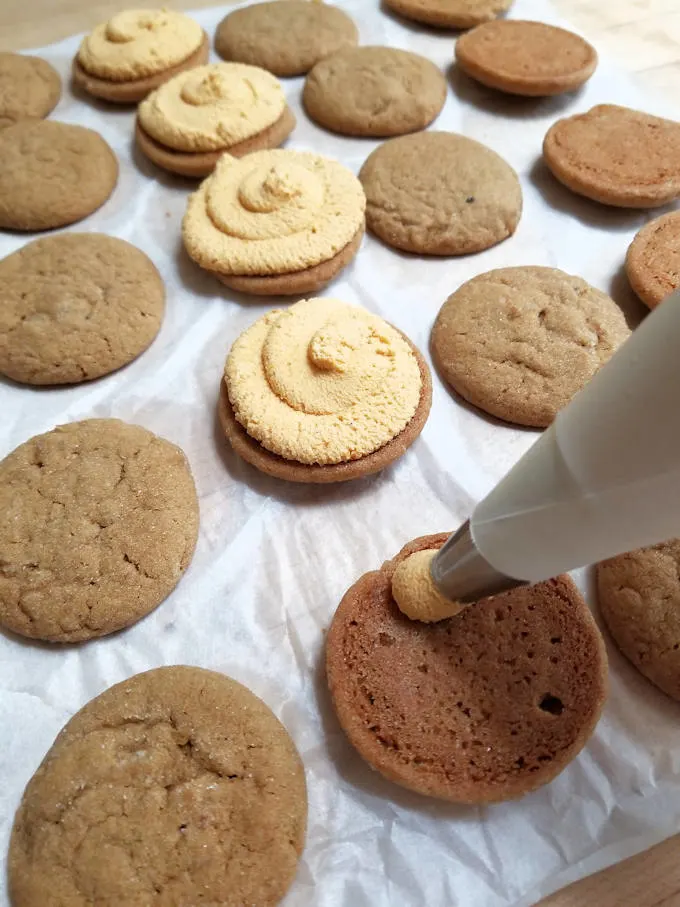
{"type": "Point", "coordinates": [644, 36]}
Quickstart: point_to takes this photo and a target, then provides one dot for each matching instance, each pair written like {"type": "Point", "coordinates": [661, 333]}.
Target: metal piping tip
{"type": "Point", "coordinates": [461, 574]}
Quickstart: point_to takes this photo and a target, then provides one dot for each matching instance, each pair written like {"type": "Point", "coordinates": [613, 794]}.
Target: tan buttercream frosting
{"type": "Point", "coordinates": [273, 212]}
{"type": "Point", "coordinates": [415, 593]}
{"type": "Point", "coordinates": [210, 108]}
{"type": "Point", "coordinates": [322, 382]}
{"type": "Point", "coordinates": [138, 43]}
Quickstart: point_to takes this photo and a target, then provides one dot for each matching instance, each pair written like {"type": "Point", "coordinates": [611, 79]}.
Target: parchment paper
{"type": "Point", "coordinates": [273, 559]}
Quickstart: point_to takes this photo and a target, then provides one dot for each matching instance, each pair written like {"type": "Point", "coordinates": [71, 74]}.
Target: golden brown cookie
{"type": "Point", "coordinates": [76, 306]}
{"type": "Point", "coordinates": [616, 156]}
{"type": "Point", "coordinates": [450, 13]}
{"type": "Point", "coordinates": [526, 58]}
{"type": "Point", "coordinates": [519, 342]}
{"type": "Point", "coordinates": [438, 193]}
{"type": "Point", "coordinates": [98, 522]}
{"type": "Point", "coordinates": [134, 90]}
{"type": "Point", "coordinates": [639, 596]}
{"type": "Point", "coordinates": [287, 37]}
{"type": "Point", "coordinates": [176, 786]}
{"type": "Point", "coordinates": [653, 259]}
{"type": "Point", "coordinates": [374, 91]}
{"type": "Point", "coordinates": [486, 706]}
{"type": "Point", "coordinates": [29, 88]}
{"type": "Point", "coordinates": [52, 174]}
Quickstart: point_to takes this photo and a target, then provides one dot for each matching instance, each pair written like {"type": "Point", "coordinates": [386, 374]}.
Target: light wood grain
{"type": "Point", "coordinates": [644, 36]}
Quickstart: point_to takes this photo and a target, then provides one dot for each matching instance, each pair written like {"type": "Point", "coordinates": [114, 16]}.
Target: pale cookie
{"type": "Point", "coordinates": [526, 58]}
{"type": "Point", "coordinates": [52, 174]}
{"type": "Point", "coordinates": [450, 13]}
{"type": "Point", "coordinates": [287, 37]}
{"type": "Point", "coordinates": [639, 595]}
{"type": "Point", "coordinates": [76, 306]}
{"type": "Point", "coordinates": [653, 259]}
{"type": "Point", "coordinates": [273, 215]}
{"type": "Point", "coordinates": [98, 522]}
{"type": "Point", "coordinates": [29, 88]}
{"type": "Point", "coordinates": [177, 786]}
{"type": "Point", "coordinates": [415, 593]}
{"type": "Point", "coordinates": [616, 156]}
{"type": "Point", "coordinates": [484, 707]}
{"type": "Point", "coordinates": [519, 342]}
{"type": "Point", "coordinates": [438, 193]}
{"type": "Point", "coordinates": [374, 91]}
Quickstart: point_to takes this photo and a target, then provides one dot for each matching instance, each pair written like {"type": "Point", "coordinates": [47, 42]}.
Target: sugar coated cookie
{"type": "Point", "coordinates": [616, 156]}
{"type": "Point", "coordinates": [449, 13]}
{"type": "Point", "coordinates": [520, 342]}
{"type": "Point", "coordinates": [439, 193]}
{"type": "Point", "coordinates": [176, 786]}
{"type": "Point", "coordinates": [374, 91]}
{"type": "Point", "coordinates": [287, 37]}
{"type": "Point", "coordinates": [29, 88]}
{"type": "Point", "coordinates": [52, 174]}
{"type": "Point", "coordinates": [653, 259]}
{"type": "Point", "coordinates": [526, 58]}
{"type": "Point", "coordinates": [98, 522]}
{"type": "Point", "coordinates": [486, 706]}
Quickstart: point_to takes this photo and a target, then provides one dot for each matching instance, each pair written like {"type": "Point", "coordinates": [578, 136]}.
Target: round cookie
{"type": "Point", "coordinates": [29, 88]}
{"type": "Point", "coordinates": [438, 193]}
{"type": "Point", "coordinates": [450, 13]}
{"type": "Point", "coordinates": [52, 174]}
{"type": "Point", "coordinates": [616, 156]}
{"type": "Point", "coordinates": [484, 707]}
{"type": "Point", "coordinates": [75, 307]}
{"type": "Point", "coordinates": [98, 522]}
{"type": "Point", "coordinates": [653, 259]}
{"type": "Point", "coordinates": [135, 90]}
{"type": "Point", "coordinates": [287, 37]}
{"type": "Point", "coordinates": [176, 786]}
{"type": "Point", "coordinates": [639, 595]}
{"type": "Point", "coordinates": [374, 91]}
{"type": "Point", "coordinates": [519, 342]}
{"type": "Point", "coordinates": [526, 58]}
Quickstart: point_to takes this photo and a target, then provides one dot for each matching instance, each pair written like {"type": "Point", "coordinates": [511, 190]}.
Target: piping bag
{"type": "Point", "coordinates": [603, 479]}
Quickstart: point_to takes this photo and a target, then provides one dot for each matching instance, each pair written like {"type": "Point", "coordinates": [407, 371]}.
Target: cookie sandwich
{"type": "Point", "coordinates": [323, 392]}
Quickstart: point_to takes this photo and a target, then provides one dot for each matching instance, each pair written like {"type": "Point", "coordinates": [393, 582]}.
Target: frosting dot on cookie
{"type": "Point", "coordinates": [415, 593]}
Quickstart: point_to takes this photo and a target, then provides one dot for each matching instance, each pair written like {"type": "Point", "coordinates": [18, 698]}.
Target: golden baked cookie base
{"type": "Point", "coordinates": [198, 164]}
{"type": "Point", "coordinates": [136, 90]}
{"type": "Point", "coordinates": [449, 14]}
{"type": "Point", "coordinates": [38, 84]}
{"type": "Point", "coordinates": [292, 471]}
{"type": "Point", "coordinates": [653, 259]}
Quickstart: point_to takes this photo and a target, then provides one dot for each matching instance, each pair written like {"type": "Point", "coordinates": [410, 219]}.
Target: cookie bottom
{"type": "Point", "coordinates": [137, 90]}
{"type": "Point", "coordinates": [202, 163]}
{"type": "Point", "coordinates": [440, 17]}
{"type": "Point", "coordinates": [311, 280]}
{"type": "Point", "coordinates": [291, 471]}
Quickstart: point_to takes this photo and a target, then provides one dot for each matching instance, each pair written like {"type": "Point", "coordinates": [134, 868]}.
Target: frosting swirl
{"type": "Point", "coordinates": [323, 382]}
{"type": "Point", "coordinates": [138, 43]}
{"type": "Point", "coordinates": [273, 212]}
{"type": "Point", "coordinates": [415, 593]}
{"type": "Point", "coordinates": [212, 107]}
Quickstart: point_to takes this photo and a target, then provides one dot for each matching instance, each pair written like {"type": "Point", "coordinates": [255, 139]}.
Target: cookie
{"type": "Point", "coordinates": [374, 91]}
{"type": "Point", "coordinates": [449, 13]}
{"type": "Point", "coordinates": [519, 342]}
{"type": "Point", "coordinates": [98, 522]}
{"type": "Point", "coordinates": [438, 193]}
{"type": "Point", "coordinates": [75, 307]}
{"type": "Point", "coordinates": [287, 37]}
{"type": "Point", "coordinates": [526, 58]}
{"type": "Point", "coordinates": [639, 595]}
{"type": "Point", "coordinates": [484, 707]}
{"type": "Point", "coordinates": [616, 156]}
{"type": "Point", "coordinates": [653, 259]}
{"type": "Point", "coordinates": [176, 786]}
{"type": "Point", "coordinates": [29, 88]}
{"type": "Point", "coordinates": [135, 90]}
{"type": "Point", "coordinates": [52, 174]}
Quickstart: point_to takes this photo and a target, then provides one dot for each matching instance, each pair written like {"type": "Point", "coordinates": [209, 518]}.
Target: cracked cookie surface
{"type": "Point", "coordinates": [177, 786]}
{"type": "Point", "coordinates": [519, 342]}
{"type": "Point", "coordinates": [98, 521]}
{"type": "Point", "coordinates": [75, 307]}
